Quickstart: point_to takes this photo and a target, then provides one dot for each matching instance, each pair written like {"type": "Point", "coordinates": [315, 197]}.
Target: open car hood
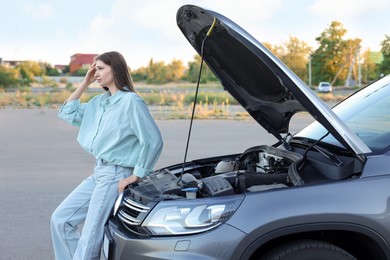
{"type": "Point", "coordinates": [258, 80]}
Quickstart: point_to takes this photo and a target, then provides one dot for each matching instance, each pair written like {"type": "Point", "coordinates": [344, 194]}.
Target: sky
{"type": "Point", "coordinates": [53, 30]}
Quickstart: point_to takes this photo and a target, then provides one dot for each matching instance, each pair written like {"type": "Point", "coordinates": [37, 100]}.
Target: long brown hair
{"type": "Point", "coordinates": [120, 70]}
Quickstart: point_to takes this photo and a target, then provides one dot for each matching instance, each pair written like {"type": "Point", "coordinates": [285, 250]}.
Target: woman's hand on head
{"type": "Point", "coordinates": [123, 183]}
{"type": "Point", "coordinates": [90, 76]}
{"type": "Point", "coordinates": [88, 79]}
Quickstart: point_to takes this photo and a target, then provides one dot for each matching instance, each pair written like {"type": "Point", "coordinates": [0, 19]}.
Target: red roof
{"type": "Point", "coordinates": [80, 58]}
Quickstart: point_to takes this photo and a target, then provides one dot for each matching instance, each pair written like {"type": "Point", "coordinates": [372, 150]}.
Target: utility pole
{"type": "Point", "coordinates": [359, 69]}
{"type": "Point", "coordinates": [310, 70]}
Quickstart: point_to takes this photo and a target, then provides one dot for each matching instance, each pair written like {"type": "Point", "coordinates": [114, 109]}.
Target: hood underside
{"type": "Point", "coordinates": [259, 81]}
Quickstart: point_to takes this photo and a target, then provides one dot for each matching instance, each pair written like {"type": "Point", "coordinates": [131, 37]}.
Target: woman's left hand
{"type": "Point", "coordinates": [126, 181]}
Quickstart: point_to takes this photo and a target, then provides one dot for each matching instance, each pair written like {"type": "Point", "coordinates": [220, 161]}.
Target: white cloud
{"type": "Point", "coordinates": [347, 8]}
{"type": "Point", "coordinates": [100, 24]}
{"type": "Point", "coordinates": [37, 11]}
{"type": "Point", "coordinates": [161, 15]}
{"type": "Point", "coordinates": [147, 28]}
{"type": "Point", "coordinates": [255, 11]}
{"type": "Point", "coordinates": [99, 36]}
{"type": "Point", "coordinates": [148, 15]}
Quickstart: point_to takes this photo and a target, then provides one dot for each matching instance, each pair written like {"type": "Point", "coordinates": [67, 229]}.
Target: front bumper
{"type": "Point", "coordinates": [224, 242]}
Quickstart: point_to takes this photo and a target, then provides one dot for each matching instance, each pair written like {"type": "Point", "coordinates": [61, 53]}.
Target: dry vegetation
{"type": "Point", "coordinates": [170, 102]}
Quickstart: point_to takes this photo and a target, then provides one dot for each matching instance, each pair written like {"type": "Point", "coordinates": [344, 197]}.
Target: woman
{"type": "Point", "coordinates": [118, 130]}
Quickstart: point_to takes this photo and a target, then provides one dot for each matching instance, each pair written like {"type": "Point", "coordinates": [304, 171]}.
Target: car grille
{"type": "Point", "coordinates": [132, 213]}
{"type": "Point", "coordinates": [138, 200]}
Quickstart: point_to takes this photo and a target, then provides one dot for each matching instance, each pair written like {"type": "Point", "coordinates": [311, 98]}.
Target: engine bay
{"type": "Point", "coordinates": [258, 168]}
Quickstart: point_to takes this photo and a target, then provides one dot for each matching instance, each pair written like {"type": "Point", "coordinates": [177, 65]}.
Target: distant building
{"type": "Point", "coordinates": [60, 68]}
{"type": "Point", "coordinates": [80, 60]}
{"type": "Point", "coordinates": [11, 64]}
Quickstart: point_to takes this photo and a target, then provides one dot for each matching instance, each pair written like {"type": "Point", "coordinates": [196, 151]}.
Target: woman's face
{"type": "Point", "coordinates": [104, 75]}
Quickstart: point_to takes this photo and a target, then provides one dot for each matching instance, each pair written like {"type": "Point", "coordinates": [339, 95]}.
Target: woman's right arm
{"type": "Point", "coordinates": [72, 111]}
{"type": "Point", "coordinates": [88, 79]}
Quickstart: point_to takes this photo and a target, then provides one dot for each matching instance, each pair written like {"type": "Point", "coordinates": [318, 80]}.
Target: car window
{"type": "Point", "coordinates": [367, 113]}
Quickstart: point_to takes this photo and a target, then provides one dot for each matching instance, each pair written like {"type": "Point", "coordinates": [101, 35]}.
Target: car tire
{"type": "Point", "coordinates": [307, 250]}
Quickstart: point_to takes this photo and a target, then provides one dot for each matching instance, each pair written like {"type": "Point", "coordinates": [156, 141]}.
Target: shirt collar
{"type": "Point", "coordinates": [107, 99]}
{"type": "Point", "coordinates": [116, 97]}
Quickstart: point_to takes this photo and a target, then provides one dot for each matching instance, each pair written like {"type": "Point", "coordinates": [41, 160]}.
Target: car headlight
{"type": "Point", "coordinates": [179, 217]}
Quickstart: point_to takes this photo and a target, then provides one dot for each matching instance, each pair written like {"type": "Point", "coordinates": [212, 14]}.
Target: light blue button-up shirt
{"type": "Point", "coordinates": [118, 129]}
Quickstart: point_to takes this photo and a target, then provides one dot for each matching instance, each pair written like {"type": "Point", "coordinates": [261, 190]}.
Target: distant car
{"type": "Point", "coordinates": [324, 87]}
{"type": "Point", "coordinates": [323, 193]}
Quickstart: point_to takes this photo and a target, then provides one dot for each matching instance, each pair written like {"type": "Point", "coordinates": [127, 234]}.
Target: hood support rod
{"type": "Point", "coordinates": [195, 98]}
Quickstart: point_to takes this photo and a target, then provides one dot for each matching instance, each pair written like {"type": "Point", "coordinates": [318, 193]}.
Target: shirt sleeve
{"type": "Point", "coordinates": [72, 112]}
{"type": "Point", "coordinates": [149, 137]}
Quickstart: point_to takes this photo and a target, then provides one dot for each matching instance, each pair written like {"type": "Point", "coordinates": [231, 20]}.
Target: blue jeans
{"type": "Point", "coordinates": [90, 203]}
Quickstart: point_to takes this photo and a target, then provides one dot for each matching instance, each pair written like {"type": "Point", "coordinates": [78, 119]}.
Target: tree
{"type": "Point", "coordinates": [80, 72]}
{"type": "Point", "coordinates": [52, 72]}
{"type": "Point", "coordinates": [277, 50]}
{"type": "Point", "coordinates": [8, 78]}
{"type": "Point", "coordinates": [139, 74]}
{"type": "Point", "coordinates": [175, 71]}
{"type": "Point", "coordinates": [327, 59]}
{"type": "Point", "coordinates": [385, 65]}
{"type": "Point", "coordinates": [48, 69]}
{"type": "Point", "coordinates": [193, 71]}
{"type": "Point", "coordinates": [156, 73]}
{"type": "Point", "coordinates": [159, 73]}
{"type": "Point", "coordinates": [370, 69]}
{"type": "Point", "coordinates": [29, 69]}
{"type": "Point", "coordinates": [32, 67]}
{"type": "Point", "coordinates": [350, 57]}
{"type": "Point", "coordinates": [66, 69]}
{"type": "Point", "coordinates": [296, 55]}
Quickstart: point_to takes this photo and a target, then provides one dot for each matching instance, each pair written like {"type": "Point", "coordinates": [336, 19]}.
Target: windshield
{"type": "Point", "coordinates": [367, 113]}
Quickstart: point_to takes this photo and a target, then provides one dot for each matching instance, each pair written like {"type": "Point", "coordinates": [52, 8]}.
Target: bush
{"type": "Point", "coordinates": [210, 97]}
{"type": "Point", "coordinates": [7, 78]}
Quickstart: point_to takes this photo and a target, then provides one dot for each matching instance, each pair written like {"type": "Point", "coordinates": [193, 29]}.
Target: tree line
{"type": "Point", "coordinates": [336, 59]}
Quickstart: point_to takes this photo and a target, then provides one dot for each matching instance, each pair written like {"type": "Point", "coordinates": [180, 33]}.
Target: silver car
{"type": "Point", "coordinates": [323, 193]}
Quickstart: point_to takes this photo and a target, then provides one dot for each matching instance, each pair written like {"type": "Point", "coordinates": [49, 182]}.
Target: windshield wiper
{"type": "Point", "coordinates": [329, 155]}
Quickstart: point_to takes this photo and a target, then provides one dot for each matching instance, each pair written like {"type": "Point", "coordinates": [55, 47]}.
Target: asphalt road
{"type": "Point", "coordinates": [41, 162]}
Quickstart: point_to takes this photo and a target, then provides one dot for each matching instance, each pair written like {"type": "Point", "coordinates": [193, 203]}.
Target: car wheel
{"type": "Point", "coordinates": [307, 250]}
